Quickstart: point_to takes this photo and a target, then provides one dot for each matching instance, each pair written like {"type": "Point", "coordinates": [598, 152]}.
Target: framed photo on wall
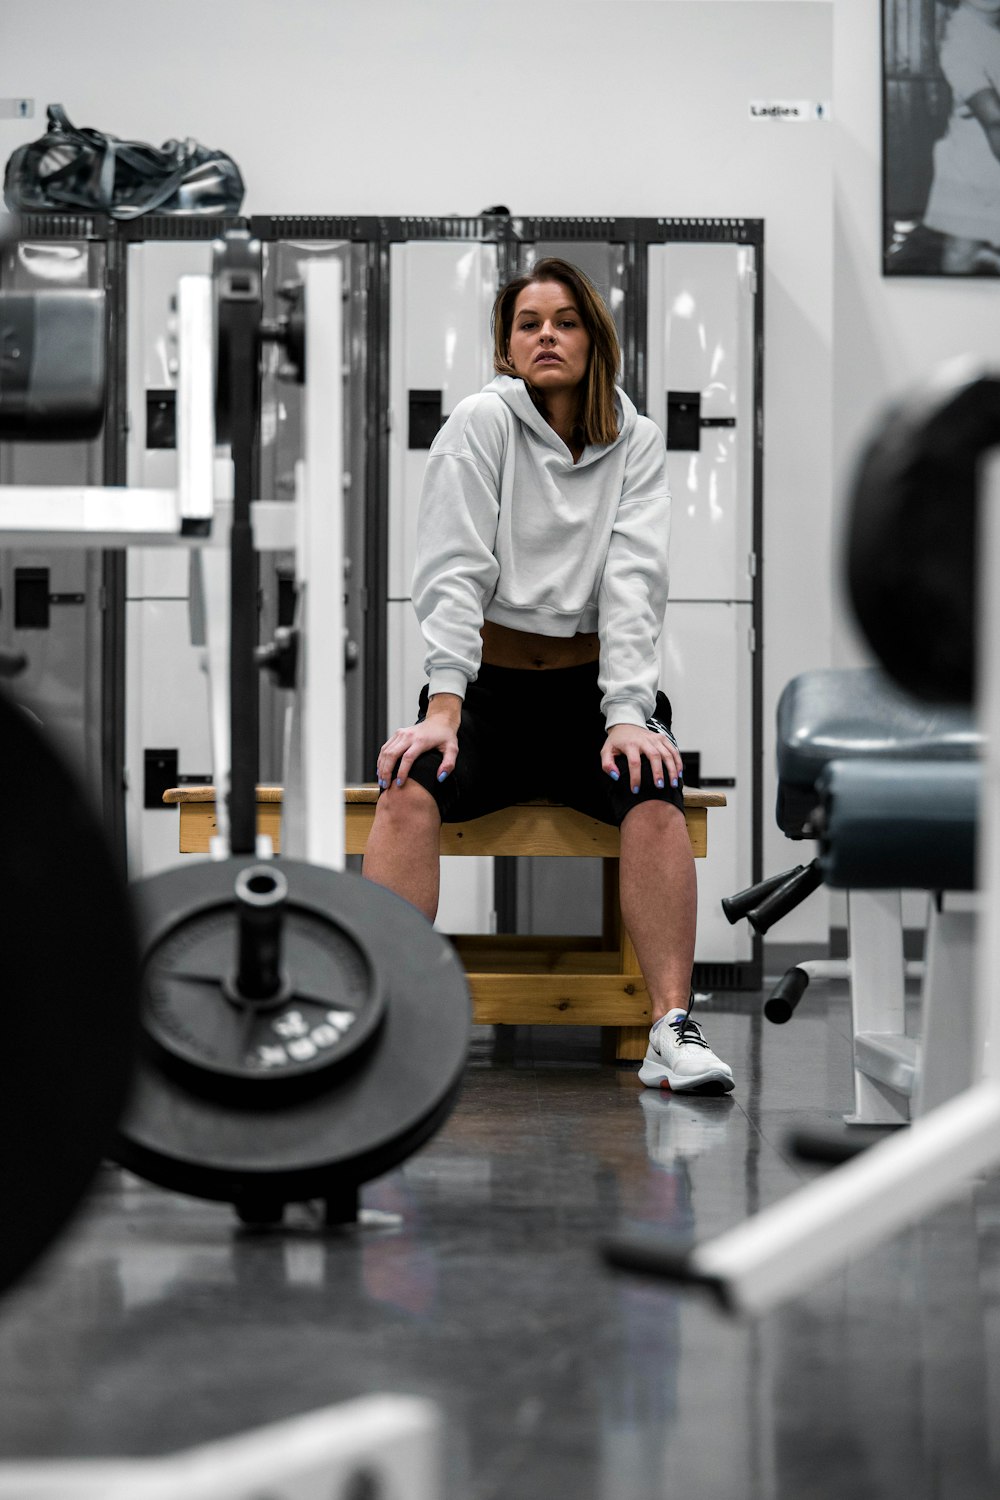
{"type": "Point", "coordinates": [941, 137]}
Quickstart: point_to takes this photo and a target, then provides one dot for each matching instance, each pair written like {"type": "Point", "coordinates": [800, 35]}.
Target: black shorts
{"type": "Point", "coordinates": [527, 734]}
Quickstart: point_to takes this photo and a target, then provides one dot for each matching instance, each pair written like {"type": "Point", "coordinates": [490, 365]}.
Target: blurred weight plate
{"type": "Point", "coordinates": [913, 534]}
{"type": "Point", "coordinates": [70, 982]}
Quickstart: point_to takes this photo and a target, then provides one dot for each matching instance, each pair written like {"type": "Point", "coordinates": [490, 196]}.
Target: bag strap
{"type": "Point", "coordinates": [59, 119]}
{"type": "Point", "coordinates": [166, 190]}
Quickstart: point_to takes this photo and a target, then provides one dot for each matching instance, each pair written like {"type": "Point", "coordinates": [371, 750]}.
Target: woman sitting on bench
{"type": "Point", "coordinates": [540, 587]}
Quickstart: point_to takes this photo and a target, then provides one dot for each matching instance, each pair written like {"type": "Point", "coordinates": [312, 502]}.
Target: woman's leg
{"type": "Point", "coordinates": [659, 900]}
{"type": "Point", "coordinates": [403, 852]}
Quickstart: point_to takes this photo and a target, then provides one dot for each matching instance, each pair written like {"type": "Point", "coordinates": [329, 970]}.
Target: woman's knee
{"type": "Point", "coordinates": [654, 816]}
{"type": "Point", "coordinates": [410, 806]}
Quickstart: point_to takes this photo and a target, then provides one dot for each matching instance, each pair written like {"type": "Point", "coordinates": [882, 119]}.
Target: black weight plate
{"type": "Point", "coordinates": [369, 1119]}
{"type": "Point", "coordinates": [70, 987]}
{"type": "Point", "coordinates": [332, 1006]}
{"type": "Point", "coordinates": [912, 542]}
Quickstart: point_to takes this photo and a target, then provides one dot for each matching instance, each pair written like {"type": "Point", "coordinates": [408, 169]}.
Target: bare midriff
{"type": "Point", "coordinates": [503, 647]}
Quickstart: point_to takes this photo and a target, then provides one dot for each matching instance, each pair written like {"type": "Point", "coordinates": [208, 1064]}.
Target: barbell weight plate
{"type": "Point", "coordinates": [331, 1005]}
{"type": "Point", "coordinates": [912, 532]}
{"type": "Point", "coordinates": [352, 1124]}
{"type": "Point", "coordinates": [70, 987]}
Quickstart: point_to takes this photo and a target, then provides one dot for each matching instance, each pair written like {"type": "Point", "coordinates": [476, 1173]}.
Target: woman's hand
{"type": "Point", "coordinates": [634, 742]}
{"type": "Point", "coordinates": [439, 731]}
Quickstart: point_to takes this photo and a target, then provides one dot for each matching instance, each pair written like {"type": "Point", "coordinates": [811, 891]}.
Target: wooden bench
{"type": "Point", "coordinates": [514, 980]}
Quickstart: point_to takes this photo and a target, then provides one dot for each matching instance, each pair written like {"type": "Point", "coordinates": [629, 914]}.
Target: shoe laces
{"type": "Point", "coordinates": [688, 1031]}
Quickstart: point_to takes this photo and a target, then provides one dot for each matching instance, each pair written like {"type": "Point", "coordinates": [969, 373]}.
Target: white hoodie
{"type": "Point", "coordinates": [511, 530]}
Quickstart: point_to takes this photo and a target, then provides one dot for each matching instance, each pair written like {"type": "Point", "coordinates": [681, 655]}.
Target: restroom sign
{"type": "Point", "coordinates": [798, 110]}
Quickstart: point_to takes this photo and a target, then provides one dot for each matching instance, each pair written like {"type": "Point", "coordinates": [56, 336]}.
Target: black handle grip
{"type": "Point", "coordinates": [787, 994]}
{"type": "Point", "coordinates": [736, 907]}
{"type": "Point", "coordinates": [669, 1260]}
{"type": "Point", "coordinates": [786, 898]}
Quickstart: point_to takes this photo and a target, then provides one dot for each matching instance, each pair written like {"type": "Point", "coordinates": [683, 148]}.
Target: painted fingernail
{"type": "Point", "coordinates": [613, 775]}
{"type": "Point", "coordinates": [673, 781]}
{"type": "Point", "coordinates": [660, 782]}
{"type": "Point", "coordinates": [635, 789]}
{"type": "Point", "coordinates": [399, 781]}
{"type": "Point", "coordinates": [442, 775]}
{"type": "Point", "coordinates": [381, 784]}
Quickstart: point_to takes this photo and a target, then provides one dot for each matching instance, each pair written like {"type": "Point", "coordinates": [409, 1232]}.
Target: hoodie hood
{"type": "Point", "coordinates": [515, 394]}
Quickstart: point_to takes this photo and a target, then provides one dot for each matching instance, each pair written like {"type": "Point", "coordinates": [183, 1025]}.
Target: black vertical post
{"type": "Point", "coordinates": [113, 563]}
{"type": "Point", "coordinates": [238, 290]}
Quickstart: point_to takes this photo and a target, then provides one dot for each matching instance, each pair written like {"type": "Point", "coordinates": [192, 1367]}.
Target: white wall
{"type": "Point", "coordinates": [554, 106]}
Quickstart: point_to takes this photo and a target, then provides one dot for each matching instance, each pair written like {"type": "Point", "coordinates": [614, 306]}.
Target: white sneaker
{"type": "Point", "coordinates": [679, 1058]}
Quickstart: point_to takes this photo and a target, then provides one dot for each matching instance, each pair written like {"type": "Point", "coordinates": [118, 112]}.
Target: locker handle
{"type": "Point", "coordinates": [685, 421]}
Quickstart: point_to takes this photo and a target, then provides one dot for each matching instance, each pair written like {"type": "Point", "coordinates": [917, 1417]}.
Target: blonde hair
{"type": "Point", "coordinates": [597, 413]}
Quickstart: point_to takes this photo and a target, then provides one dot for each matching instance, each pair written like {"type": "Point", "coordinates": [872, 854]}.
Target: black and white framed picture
{"type": "Point", "coordinates": [941, 137]}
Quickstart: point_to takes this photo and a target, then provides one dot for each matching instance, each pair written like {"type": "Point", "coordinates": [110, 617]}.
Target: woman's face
{"type": "Point", "coordinates": [549, 345]}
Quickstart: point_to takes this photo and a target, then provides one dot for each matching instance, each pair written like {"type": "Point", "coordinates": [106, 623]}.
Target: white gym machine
{"type": "Point", "coordinates": [378, 1445]}
{"type": "Point", "coordinates": [791, 1245]}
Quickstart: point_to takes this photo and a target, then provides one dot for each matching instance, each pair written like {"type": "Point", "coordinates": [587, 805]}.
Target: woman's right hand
{"type": "Point", "coordinates": [437, 732]}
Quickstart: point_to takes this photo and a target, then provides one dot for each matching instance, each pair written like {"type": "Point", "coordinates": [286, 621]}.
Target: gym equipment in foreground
{"type": "Point", "coordinates": [300, 1030]}
{"type": "Point", "coordinates": [879, 737]}
{"type": "Point", "coordinates": [70, 981]}
{"type": "Point", "coordinates": [368, 1449]}
{"type": "Point", "coordinates": [794, 1243]}
{"type": "Point", "coordinates": [305, 1030]}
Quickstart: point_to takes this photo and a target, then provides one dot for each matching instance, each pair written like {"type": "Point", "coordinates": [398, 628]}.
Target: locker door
{"type": "Point", "coordinates": [166, 703]}
{"type": "Point", "coordinates": [700, 393]}
{"type": "Point", "coordinates": [706, 667]}
{"type": "Point", "coordinates": [50, 598]}
{"type": "Point", "coordinates": [440, 350]}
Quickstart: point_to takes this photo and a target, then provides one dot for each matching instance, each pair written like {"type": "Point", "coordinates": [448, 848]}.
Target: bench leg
{"type": "Point", "coordinates": [611, 926]}
{"type": "Point", "coordinates": [632, 1040]}
{"type": "Point", "coordinates": [631, 1043]}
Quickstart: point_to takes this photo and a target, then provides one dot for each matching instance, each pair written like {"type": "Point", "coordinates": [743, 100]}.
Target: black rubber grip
{"type": "Point", "coordinates": [667, 1260]}
{"type": "Point", "coordinates": [786, 996]}
{"type": "Point", "coordinates": [736, 907]}
{"type": "Point", "coordinates": [786, 898]}
{"type": "Point", "coordinates": [831, 1148]}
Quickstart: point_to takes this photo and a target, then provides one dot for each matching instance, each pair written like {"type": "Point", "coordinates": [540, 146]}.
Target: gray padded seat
{"type": "Point", "coordinates": [855, 714]}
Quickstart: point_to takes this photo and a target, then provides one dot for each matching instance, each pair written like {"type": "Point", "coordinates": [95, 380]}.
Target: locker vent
{"type": "Point", "coordinates": [177, 227]}
{"type": "Point", "coordinates": [64, 226]}
{"type": "Point", "coordinates": [312, 227]}
{"type": "Point", "coordinates": [441, 229]}
{"type": "Point", "coordinates": [727, 230]}
{"type": "Point", "coordinates": [739, 976]}
{"type": "Point", "coordinates": [567, 229]}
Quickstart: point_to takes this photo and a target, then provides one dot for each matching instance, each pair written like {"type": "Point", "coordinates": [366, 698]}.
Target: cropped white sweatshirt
{"type": "Point", "coordinates": [511, 530]}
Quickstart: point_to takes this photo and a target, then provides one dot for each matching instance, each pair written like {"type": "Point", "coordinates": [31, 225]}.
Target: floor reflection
{"type": "Point", "coordinates": [160, 1322]}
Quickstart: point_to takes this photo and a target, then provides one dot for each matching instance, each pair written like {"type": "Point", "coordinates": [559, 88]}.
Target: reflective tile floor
{"type": "Point", "coordinates": [158, 1323]}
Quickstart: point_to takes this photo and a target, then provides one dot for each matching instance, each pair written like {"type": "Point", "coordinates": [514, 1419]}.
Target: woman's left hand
{"type": "Point", "coordinates": [634, 742]}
